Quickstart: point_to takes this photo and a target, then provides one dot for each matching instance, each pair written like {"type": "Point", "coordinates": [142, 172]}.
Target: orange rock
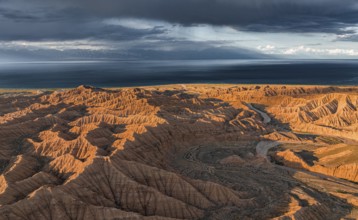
{"type": "Point", "coordinates": [168, 153]}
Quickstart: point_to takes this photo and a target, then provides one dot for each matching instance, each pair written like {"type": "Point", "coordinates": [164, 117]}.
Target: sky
{"type": "Point", "coordinates": [178, 29]}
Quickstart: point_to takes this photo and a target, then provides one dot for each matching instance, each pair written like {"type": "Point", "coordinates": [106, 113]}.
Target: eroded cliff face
{"type": "Point", "coordinates": [329, 114]}
{"type": "Point", "coordinates": [171, 153]}
{"type": "Point", "coordinates": [339, 160]}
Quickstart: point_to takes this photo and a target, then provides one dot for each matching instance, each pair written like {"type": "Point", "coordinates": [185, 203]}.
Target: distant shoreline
{"type": "Point", "coordinates": [19, 90]}
{"type": "Point", "coordinates": [141, 74]}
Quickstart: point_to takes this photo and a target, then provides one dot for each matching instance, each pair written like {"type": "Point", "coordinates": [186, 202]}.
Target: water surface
{"type": "Point", "coordinates": [139, 73]}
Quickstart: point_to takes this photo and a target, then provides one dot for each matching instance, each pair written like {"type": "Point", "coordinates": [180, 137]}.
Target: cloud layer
{"type": "Point", "coordinates": [164, 25]}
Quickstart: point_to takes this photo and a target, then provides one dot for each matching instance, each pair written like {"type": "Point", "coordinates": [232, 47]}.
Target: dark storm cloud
{"type": "Point", "coordinates": [16, 15]}
{"type": "Point", "coordinates": [65, 20]}
{"type": "Point", "coordinates": [351, 38]}
{"type": "Point", "coordinates": [72, 30]}
{"type": "Point", "coordinates": [74, 18]}
{"type": "Point", "coordinates": [256, 15]}
{"type": "Point", "coordinates": [183, 50]}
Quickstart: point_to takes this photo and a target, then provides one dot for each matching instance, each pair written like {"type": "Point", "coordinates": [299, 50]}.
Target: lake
{"type": "Point", "coordinates": [139, 73]}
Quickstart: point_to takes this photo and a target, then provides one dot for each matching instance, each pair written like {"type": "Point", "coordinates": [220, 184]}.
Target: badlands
{"type": "Point", "coordinates": [180, 152]}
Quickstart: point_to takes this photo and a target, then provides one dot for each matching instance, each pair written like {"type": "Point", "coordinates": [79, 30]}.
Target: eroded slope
{"type": "Point", "coordinates": [167, 153]}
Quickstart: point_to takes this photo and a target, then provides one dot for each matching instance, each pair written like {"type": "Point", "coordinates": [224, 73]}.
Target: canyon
{"type": "Point", "coordinates": [180, 152]}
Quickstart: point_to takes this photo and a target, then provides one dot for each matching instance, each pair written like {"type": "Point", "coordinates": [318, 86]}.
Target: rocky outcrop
{"type": "Point", "coordinates": [165, 153]}
{"type": "Point", "coordinates": [336, 160]}
{"type": "Point", "coordinates": [333, 114]}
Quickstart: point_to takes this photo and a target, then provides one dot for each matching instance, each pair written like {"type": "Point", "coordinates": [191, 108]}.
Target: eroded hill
{"type": "Point", "coordinates": [180, 152]}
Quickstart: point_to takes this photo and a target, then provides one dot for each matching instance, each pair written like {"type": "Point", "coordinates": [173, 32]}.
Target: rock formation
{"type": "Point", "coordinates": [170, 152]}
